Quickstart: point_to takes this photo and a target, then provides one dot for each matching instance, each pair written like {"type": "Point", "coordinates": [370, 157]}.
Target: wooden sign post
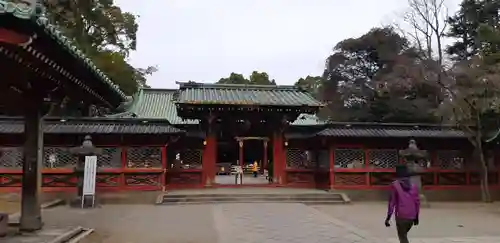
{"type": "Point", "coordinates": [89, 180]}
{"type": "Point", "coordinates": [238, 174]}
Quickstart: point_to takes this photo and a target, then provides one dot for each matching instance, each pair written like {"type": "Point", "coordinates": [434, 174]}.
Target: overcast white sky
{"type": "Point", "coordinates": [204, 40]}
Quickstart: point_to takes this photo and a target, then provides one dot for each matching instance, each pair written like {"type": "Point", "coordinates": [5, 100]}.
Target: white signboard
{"type": "Point", "coordinates": [89, 177]}
{"type": "Point", "coordinates": [238, 169]}
{"type": "Point", "coordinates": [238, 174]}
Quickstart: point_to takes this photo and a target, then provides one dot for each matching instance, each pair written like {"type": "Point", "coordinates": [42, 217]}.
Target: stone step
{"type": "Point", "coordinates": [229, 199]}
{"type": "Point", "coordinates": [15, 217]}
{"type": "Point", "coordinates": [311, 198]}
{"type": "Point", "coordinates": [243, 195]}
{"type": "Point", "coordinates": [251, 201]}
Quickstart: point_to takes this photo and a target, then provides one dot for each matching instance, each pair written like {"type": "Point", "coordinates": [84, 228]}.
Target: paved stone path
{"type": "Point", "coordinates": [277, 223]}
{"type": "Point", "coordinates": [451, 240]}
{"type": "Point", "coordinates": [269, 223]}
{"type": "Point", "coordinates": [442, 223]}
{"type": "Point", "coordinates": [247, 179]}
{"type": "Point", "coordinates": [46, 235]}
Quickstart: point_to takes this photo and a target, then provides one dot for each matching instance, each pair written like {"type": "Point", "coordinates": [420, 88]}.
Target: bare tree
{"type": "Point", "coordinates": [473, 94]}
{"type": "Point", "coordinates": [425, 24]}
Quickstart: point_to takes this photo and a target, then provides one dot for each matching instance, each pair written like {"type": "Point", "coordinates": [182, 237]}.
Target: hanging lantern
{"type": "Point", "coordinates": [204, 142]}
{"type": "Point", "coordinates": [286, 143]}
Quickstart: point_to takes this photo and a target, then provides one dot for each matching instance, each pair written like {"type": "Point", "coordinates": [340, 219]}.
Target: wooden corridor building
{"type": "Point", "coordinates": [177, 139]}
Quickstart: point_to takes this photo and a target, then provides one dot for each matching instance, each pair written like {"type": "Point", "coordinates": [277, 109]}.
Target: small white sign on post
{"type": "Point", "coordinates": [89, 178]}
{"type": "Point", "coordinates": [239, 174]}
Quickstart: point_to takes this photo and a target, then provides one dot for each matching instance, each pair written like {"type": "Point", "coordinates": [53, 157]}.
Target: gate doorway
{"type": "Point", "coordinates": [245, 152]}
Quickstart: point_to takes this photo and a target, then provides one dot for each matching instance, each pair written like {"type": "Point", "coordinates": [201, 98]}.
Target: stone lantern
{"type": "Point", "coordinates": [86, 149]}
{"type": "Point", "coordinates": [415, 159]}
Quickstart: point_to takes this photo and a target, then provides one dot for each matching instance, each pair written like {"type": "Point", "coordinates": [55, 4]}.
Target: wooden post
{"type": "Point", "coordinates": [366, 166]}
{"type": "Point", "coordinates": [164, 165]}
{"type": "Point", "coordinates": [123, 182]}
{"type": "Point", "coordinates": [31, 215]}
{"type": "Point", "coordinates": [209, 159]}
{"type": "Point", "coordinates": [264, 162]}
{"type": "Point", "coordinates": [331, 151]}
{"type": "Point", "coordinates": [278, 166]}
{"type": "Point", "coordinates": [210, 153]}
{"type": "Point", "coordinates": [240, 152]}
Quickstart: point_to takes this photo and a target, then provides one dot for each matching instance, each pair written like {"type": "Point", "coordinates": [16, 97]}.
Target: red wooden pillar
{"type": "Point", "coordinates": [209, 153]}
{"type": "Point", "coordinates": [164, 164]}
{"type": "Point", "coordinates": [367, 167]}
{"type": "Point", "coordinates": [264, 160]}
{"type": "Point", "coordinates": [278, 163]}
{"type": "Point", "coordinates": [497, 166]}
{"type": "Point", "coordinates": [209, 159]}
{"type": "Point", "coordinates": [435, 167]}
{"type": "Point", "coordinates": [331, 152]}
{"type": "Point", "coordinates": [240, 153]}
{"type": "Point", "coordinates": [123, 183]}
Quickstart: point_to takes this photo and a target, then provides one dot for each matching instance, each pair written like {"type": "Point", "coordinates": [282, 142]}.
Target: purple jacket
{"type": "Point", "coordinates": [404, 201]}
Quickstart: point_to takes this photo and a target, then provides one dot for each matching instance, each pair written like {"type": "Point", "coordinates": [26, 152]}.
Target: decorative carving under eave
{"type": "Point", "coordinates": [93, 111]}
{"type": "Point", "coordinates": [97, 111]}
{"type": "Point", "coordinates": [247, 124]}
{"type": "Point", "coordinates": [173, 139]}
{"type": "Point", "coordinates": [283, 124]}
{"type": "Point", "coordinates": [211, 118]}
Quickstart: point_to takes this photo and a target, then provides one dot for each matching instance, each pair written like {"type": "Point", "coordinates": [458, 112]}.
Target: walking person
{"type": "Point", "coordinates": [404, 203]}
{"type": "Point", "coordinates": [270, 171]}
{"type": "Point", "coordinates": [255, 169]}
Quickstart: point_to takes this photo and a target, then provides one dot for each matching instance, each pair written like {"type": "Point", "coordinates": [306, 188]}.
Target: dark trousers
{"type": "Point", "coordinates": [255, 173]}
{"type": "Point", "coordinates": [403, 226]}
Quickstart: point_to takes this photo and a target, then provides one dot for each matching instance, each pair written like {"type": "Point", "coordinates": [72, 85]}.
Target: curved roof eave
{"type": "Point", "coordinates": [35, 15]}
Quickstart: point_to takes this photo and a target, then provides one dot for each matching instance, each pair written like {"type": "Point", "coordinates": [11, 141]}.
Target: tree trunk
{"type": "Point", "coordinates": [485, 190]}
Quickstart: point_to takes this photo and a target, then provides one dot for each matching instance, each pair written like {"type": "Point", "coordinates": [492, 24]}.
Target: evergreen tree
{"type": "Point", "coordinates": [476, 30]}
{"type": "Point", "coordinates": [463, 27]}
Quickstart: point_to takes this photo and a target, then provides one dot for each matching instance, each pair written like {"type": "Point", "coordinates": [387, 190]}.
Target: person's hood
{"type": "Point", "coordinates": [405, 183]}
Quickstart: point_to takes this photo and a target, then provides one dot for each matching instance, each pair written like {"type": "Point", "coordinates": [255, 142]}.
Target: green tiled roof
{"type": "Point", "coordinates": [232, 94]}
{"type": "Point", "coordinates": [15, 125]}
{"type": "Point", "coordinates": [34, 15]}
{"type": "Point", "coordinates": [307, 120]}
{"type": "Point", "coordinates": [388, 130]}
{"type": "Point", "coordinates": [158, 104]}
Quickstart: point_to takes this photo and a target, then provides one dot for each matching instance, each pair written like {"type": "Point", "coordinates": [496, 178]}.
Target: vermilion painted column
{"type": "Point", "coordinates": [123, 183]}
{"type": "Point", "coordinates": [240, 153]}
{"type": "Point", "coordinates": [209, 158]}
{"type": "Point", "coordinates": [331, 152]}
{"type": "Point", "coordinates": [164, 165]}
{"type": "Point", "coordinates": [264, 162]}
{"type": "Point", "coordinates": [279, 168]}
